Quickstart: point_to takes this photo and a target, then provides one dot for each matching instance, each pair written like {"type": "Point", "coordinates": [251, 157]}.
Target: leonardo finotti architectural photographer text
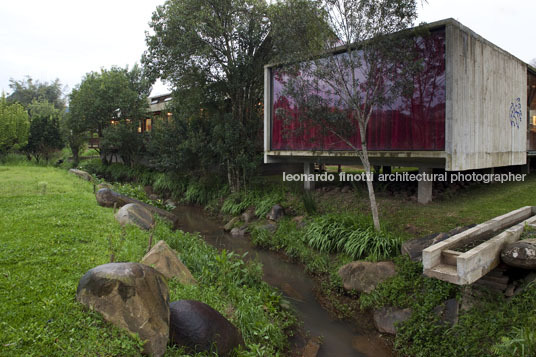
{"type": "Point", "coordinates": [407, 177]}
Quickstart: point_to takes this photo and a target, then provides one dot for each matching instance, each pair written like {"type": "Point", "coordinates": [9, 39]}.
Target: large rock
{"type": "Point", "coordinates": [199, 327]}
{"type": "Point", "coordinates": [413, 248]}
{"type": "Point", "coordinates": [276, 213]}
{"type": "Point", "coordinates": [107, 198]}
{"type": "Point", "coordinates": [387, 318]}
{"type": "Point", "coordinates": [132, 296]}
{"type": "Point", "coordinates": [136, 214]}
{"type": "Point", "coordinates": [82, 174]}
{"type": "Point", "coordinates": [520, 254]}
{"type": "Point", "coordinates": [165, 260]}
{"type": "Point", "coordinates": [365, 276]}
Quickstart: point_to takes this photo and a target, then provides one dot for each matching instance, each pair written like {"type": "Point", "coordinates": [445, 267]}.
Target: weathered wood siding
{"type": "Point", "coordinates": [484, 84]}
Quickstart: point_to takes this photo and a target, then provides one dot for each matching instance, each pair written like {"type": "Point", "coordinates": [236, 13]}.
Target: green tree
{"type": "Point", "coordinates": [124, 140]}
{"type": "Point", "coordinates": [219, 48]}
{"type": "Point", "coordinates": [75, 133]}
{"type": "Point", "coordinates": [27, 90]}
{"type": "Point", "coordinates": [114, 94]}
{"type": "Point", "coordinates": [45, 136]}
{"type": "Point", "coordinates": [371, 68]}
{"type": "Point", "coordinates": [14, 126]}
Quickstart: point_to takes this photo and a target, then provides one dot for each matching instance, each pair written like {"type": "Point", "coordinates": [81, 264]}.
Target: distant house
{"type": "Point", "coordinates": [158, 110]}
{"type": "Point", "coordinates": [474, 107]}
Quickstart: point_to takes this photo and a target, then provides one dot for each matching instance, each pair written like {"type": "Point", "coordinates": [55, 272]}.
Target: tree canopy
{"type": "Point", "coordinates": [114, 94]}
{"type": "Point", "coordinates": [215, 51]}
{"type": "Point", "coordinates": [44, 137]}
{"type": "Point", "coordinates": [14, 126]}
{"type": "Point", "coordinates": [27, 90]}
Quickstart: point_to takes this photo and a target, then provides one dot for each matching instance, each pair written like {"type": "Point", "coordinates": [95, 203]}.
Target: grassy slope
{"type": "Point", "coordinates": [48, 240]}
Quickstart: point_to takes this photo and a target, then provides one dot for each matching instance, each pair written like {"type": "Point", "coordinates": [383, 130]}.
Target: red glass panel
{"type": "Point", "coordinates": [416, 123]}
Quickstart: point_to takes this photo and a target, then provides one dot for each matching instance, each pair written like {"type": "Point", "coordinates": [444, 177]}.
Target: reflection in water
{"type": "Point", "coordinates": [340, 338]}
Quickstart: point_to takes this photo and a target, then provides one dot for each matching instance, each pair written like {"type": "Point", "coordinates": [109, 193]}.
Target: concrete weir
{"type": "Point", "coordinates": [448, 261]}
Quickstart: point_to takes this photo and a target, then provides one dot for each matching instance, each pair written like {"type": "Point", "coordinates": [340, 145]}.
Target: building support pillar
{"type": "Point", "coordinates": [308, 168]}
{"type": "Point", "coordinates": [424, 188]}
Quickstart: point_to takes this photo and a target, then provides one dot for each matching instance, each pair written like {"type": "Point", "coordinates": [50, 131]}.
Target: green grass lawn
{"type": "Point", "coordinates": [474, 204]}
{"type": "Point", "coordinates": [52, 232]}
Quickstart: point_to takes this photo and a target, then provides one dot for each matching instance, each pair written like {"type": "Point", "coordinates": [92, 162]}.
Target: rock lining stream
{"type": "Point", "coordinates": [339, 338]}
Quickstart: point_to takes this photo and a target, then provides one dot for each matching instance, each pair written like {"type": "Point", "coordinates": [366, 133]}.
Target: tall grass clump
{"type": "Point", "coordinates": [350, 234]}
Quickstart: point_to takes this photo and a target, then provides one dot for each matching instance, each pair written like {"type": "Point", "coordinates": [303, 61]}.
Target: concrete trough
{"type": "Point", "coordinates": [447, 261]}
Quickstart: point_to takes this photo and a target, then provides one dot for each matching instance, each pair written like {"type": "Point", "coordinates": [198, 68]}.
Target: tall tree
{"type": "Point", "coordinates": [45, 136]}
{"type": "Point", "coordinates": [114, 94]}
{"type": "Point", "coordinates": [368, 67]}
{"type": "Point", "coordinates": [220, 48]}
{"type": "Point", "coordinates": [27, 90]}
{"type": "Point", "coordinates": [14, 126]}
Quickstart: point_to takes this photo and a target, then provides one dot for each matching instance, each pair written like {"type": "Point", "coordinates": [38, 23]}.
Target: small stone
{"type": "Point", "coordinates": [103, 185]}
{"type": "Point", "coordinates": [365, 276]}
{"type": "Point", "coordinates": [386, 318]}
{"type": "Point", "coordinates": [136, 214]}
{"type": "Point", "coordinates": [276, 213]}
{"type": "Point", "coordinates": [170, 203]}
{"type": "Point", "coordinates": [312, 347]}
{"type": "Point", "coordinates": [231, 224]}
{"type": "Point", "coordinates": [82, 174]}
{"type": "Point", "coordinates": [238, 232]}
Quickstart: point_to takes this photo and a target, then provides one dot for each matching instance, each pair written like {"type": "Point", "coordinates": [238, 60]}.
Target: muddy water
{"type": "Point", "coordinates": [340, 339]}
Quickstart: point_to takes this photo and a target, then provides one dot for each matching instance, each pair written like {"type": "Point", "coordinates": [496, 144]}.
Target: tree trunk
{"type": "Point", "coordinates": [370, 187]}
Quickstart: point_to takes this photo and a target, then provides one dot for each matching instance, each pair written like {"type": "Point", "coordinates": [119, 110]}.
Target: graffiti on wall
{"type": "Point", "coordinates": [516, 114]}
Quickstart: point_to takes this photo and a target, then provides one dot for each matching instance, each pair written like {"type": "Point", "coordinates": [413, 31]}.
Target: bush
{"type": "Point", "coordinates": [352, 235]}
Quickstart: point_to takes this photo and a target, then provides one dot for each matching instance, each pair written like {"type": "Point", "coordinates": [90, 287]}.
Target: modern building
{"type": "Point", "coordinates": [474, 107]}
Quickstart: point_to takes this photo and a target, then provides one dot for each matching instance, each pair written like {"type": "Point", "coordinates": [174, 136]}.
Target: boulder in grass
{"type": "Point", "coordinates": [365, 276]}
{"type": "Point", "coordinates": [82, 174]}
{"type": "Point", "coordinates": [165, 260]}
{"type": "Point", "coordinates": [107, 198]}
{"type": "Point", "coordinates": [136, 214]}
{"type": "Point", "coordinates": [199, 327]}
{"type": "Point", "coordinates": [520, 254]}
{"type": "Point", "coordinates": [132, 296]}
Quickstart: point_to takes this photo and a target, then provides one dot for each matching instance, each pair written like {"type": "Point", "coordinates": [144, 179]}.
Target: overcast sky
{"type": "Point", "coordinates": [67, 38]}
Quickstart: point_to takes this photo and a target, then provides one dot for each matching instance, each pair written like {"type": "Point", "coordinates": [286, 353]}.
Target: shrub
{"type": "Point", "coordinates": [352, 235]}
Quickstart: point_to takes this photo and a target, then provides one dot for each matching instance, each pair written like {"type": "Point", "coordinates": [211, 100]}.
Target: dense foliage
{"type": "Point", "coordinates": [14, 126]}
{"type": "Point", "coordinates": [45, 136]}
{"type": "Point", "coordinates": [27, 91]}
{"type": "Point", "coordinates": [109, 95]}
{"type": "Point", "coordinates": [213, 54]}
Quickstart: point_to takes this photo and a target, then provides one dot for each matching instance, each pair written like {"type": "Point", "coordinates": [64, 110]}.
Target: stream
{"type": "Point", "coordinates": [339, 338]}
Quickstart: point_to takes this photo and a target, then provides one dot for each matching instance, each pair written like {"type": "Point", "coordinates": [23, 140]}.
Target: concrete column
{"type": "Point", "coordinates": [424, 189]}
{"type": "Point", "coordinates": [308, 168]}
